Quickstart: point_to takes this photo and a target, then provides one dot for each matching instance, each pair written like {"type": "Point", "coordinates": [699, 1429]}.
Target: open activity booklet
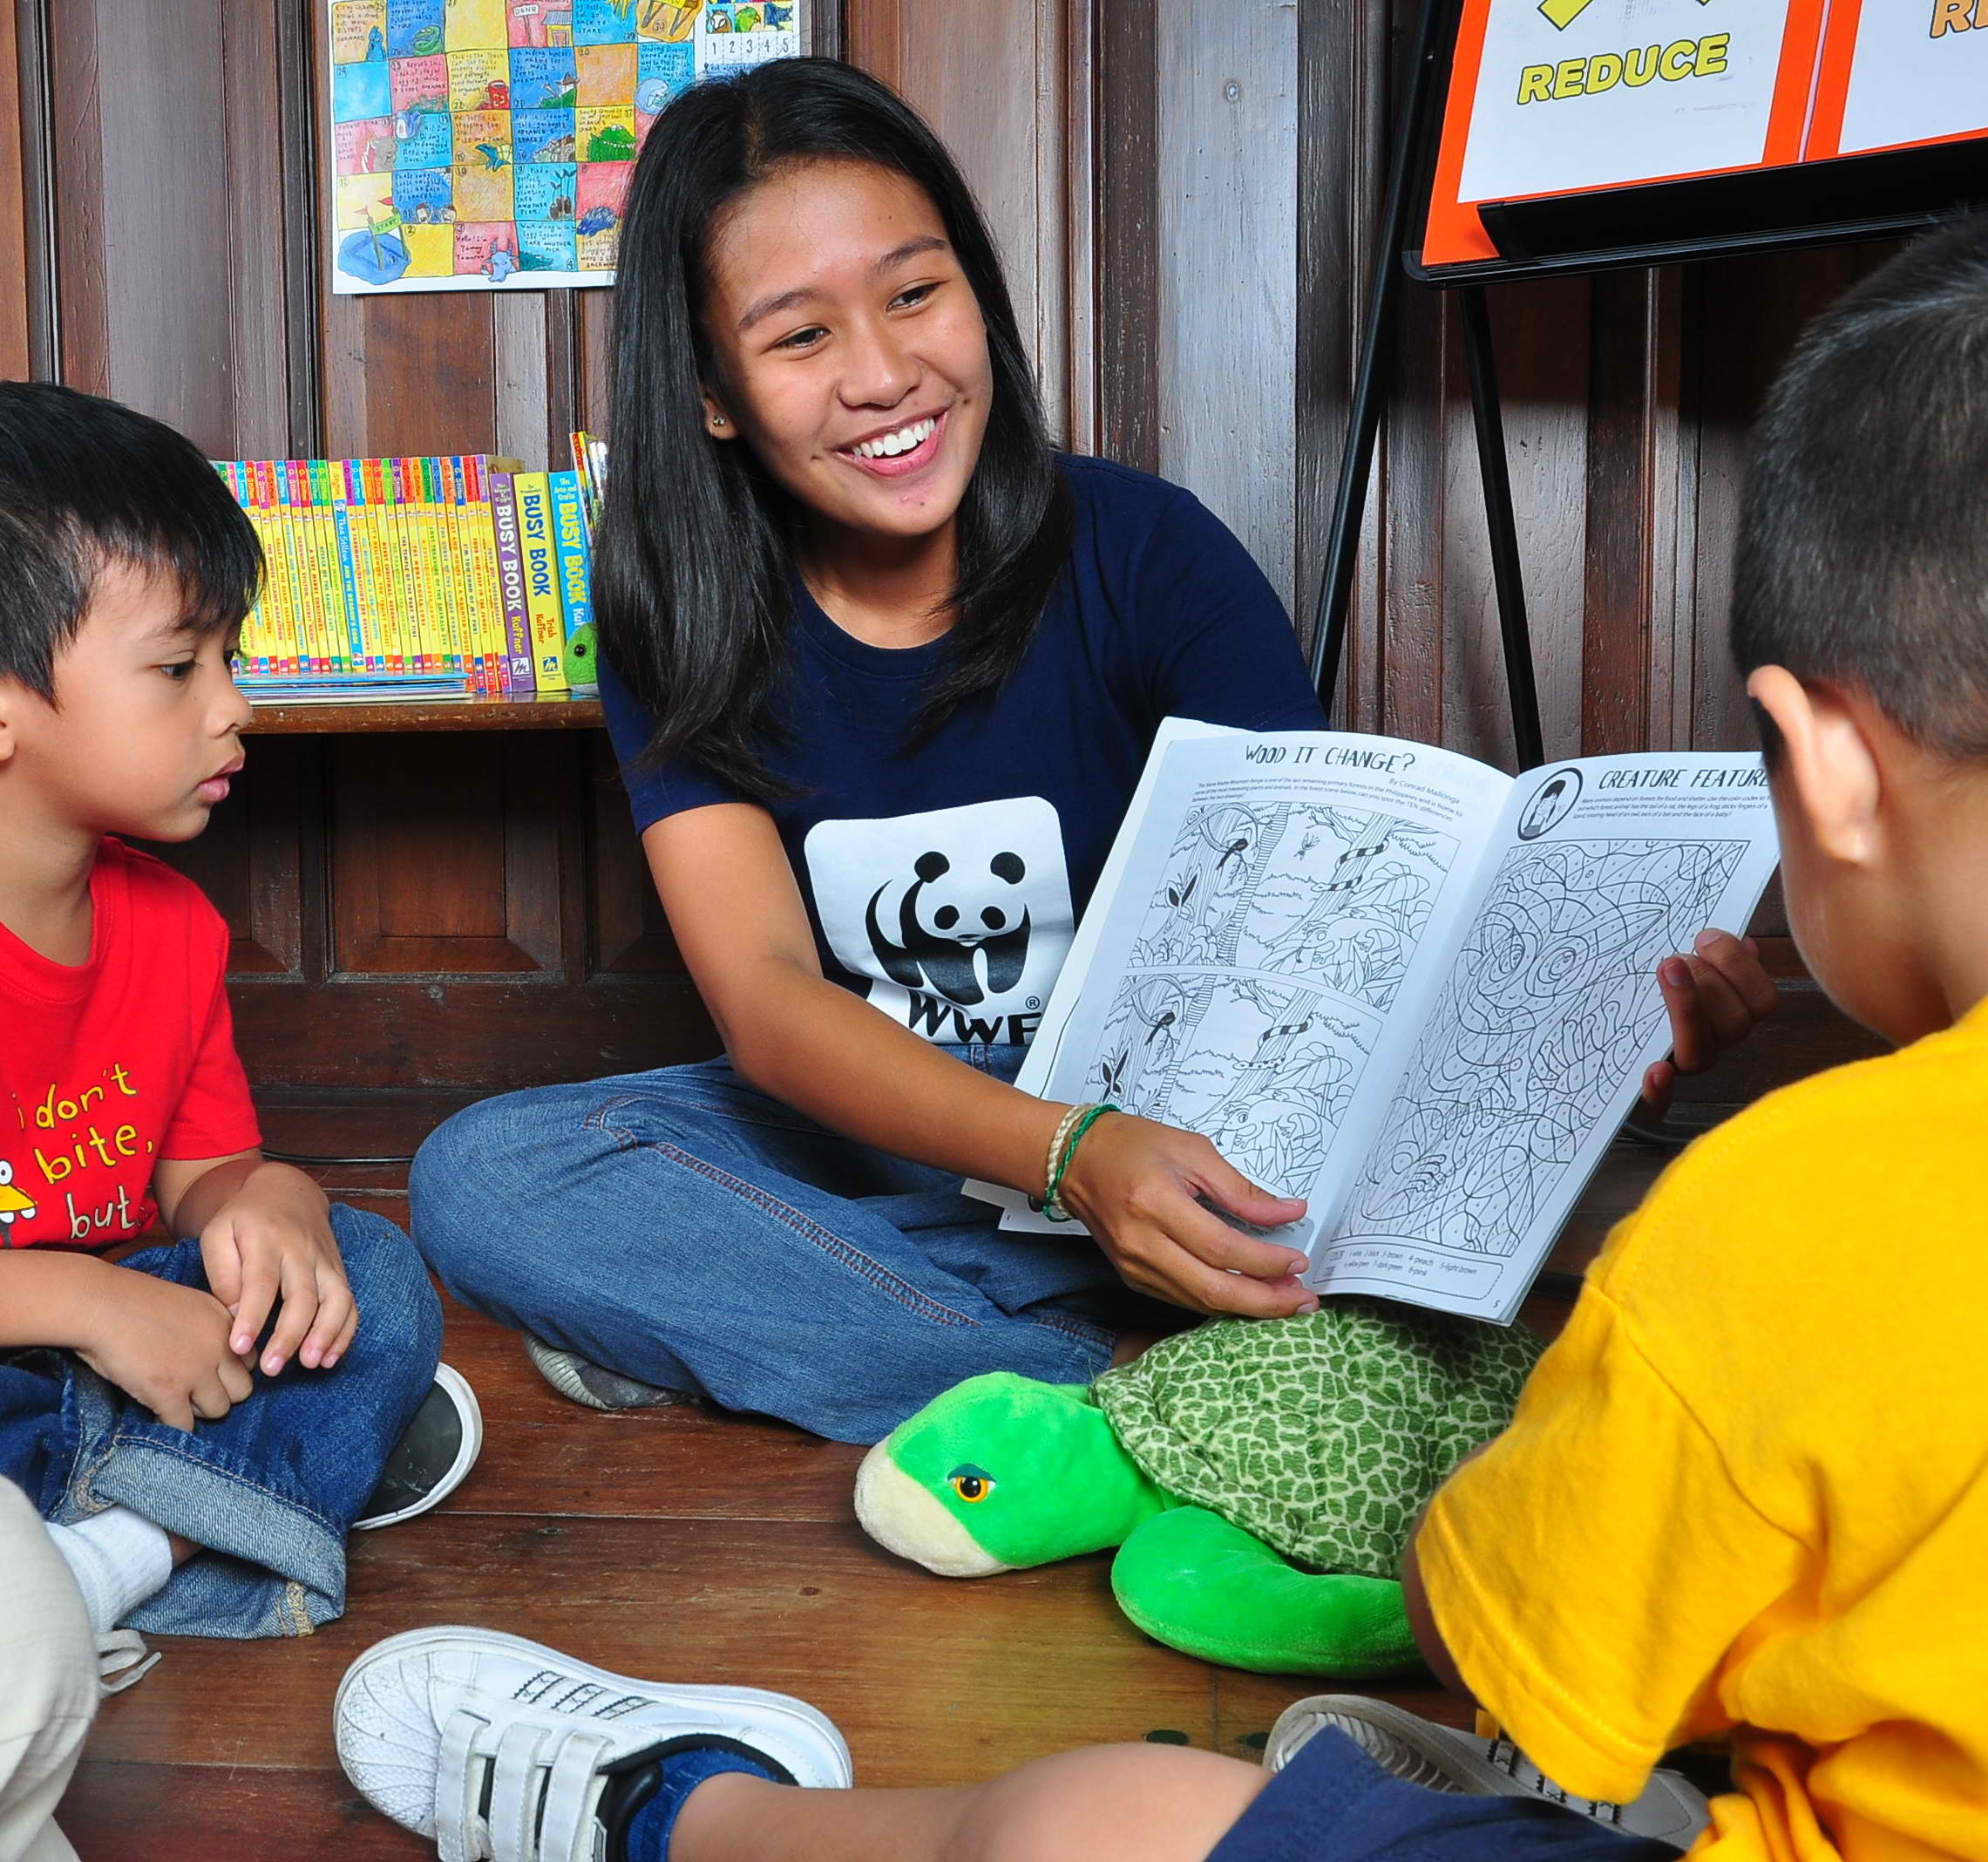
{"type": "Point", "coordinates": [1415, 991]}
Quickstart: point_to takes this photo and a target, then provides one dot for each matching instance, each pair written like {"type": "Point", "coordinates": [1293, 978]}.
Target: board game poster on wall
{"type": "Point", "coordinates": [488, 144]}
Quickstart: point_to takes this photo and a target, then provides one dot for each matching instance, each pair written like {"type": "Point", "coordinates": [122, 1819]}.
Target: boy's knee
{"type": "Point", "coordinates": [389, 1280]}
{"type": "Point", "coordinates": [1108, 1804]}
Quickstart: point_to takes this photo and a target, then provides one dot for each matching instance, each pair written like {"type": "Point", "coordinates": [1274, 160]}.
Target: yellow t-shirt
{"type": "Point", "coordinates": [1746, 1492]}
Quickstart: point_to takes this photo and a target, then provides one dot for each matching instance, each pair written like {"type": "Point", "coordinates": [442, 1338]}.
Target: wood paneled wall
{"type": "Point", "coordinates": [1186, 200]}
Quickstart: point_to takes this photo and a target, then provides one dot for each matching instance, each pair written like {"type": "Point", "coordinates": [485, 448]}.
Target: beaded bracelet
{"type": "Point", "coordinates": [1086, 1117]}
{"type": "Point", "coordinates": [1064, 1125]}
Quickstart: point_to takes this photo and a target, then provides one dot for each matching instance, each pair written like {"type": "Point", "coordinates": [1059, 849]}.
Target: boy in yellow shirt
{"type": "Point", "coordinates": [1745, 1496]}
{"type": "Point", "coordinates": [1745, 1493]}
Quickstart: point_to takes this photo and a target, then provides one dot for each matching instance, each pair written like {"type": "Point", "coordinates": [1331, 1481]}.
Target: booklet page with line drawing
{"type": "Point", "coordinates": [1396, 982]}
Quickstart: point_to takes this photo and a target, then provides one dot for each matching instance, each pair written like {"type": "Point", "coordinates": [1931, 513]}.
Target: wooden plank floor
{"type": "Point", "coordinates": [670, 1544]}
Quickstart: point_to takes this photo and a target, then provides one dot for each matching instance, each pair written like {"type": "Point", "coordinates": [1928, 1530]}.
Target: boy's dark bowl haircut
{"type": "Point", "coordinates": [85, 482]}
{"type": "Point", "coordinates": [1864, 553]}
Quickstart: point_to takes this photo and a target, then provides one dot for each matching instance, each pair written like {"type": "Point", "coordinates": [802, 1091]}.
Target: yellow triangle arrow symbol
{"type": "Point", "coordinates": [1563, 13]}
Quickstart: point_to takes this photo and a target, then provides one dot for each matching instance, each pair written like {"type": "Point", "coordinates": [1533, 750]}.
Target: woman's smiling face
{"type": "Point", "coordinates": [849, 345]}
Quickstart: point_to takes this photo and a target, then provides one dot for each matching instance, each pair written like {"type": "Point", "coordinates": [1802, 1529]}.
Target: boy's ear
{"type": "Point", "coordinates": [1833, 773]}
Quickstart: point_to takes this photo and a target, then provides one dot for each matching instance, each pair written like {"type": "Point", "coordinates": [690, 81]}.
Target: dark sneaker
{"type": "Point", "coordinates": [436, 1450]}
{"type": "Point", "coordinates": [581, 1380]}
{"type": "Point", "coordinates": [1441, 1758]}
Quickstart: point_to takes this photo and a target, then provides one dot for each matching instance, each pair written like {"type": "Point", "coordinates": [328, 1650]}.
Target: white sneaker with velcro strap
{"type": "Point", "coordinates": [1418, 1751]}
{"type": "Point", "coordinates": [504, 1750]}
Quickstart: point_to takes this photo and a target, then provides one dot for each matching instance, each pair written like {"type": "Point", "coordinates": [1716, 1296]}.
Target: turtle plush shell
{"type": "Point", "coordinates": [1323, 1434]}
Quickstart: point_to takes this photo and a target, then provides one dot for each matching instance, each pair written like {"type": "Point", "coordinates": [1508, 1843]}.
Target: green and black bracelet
{"type": "Point", "coordinates": [1078, 1124]}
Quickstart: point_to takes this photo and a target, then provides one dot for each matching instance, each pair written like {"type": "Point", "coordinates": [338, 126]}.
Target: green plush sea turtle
{"type": "Point", "coordinates": [1260, 1477]}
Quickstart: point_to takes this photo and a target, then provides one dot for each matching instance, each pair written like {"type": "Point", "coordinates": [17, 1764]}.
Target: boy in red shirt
{"type": "Point", "coordinates": [216, 1393]}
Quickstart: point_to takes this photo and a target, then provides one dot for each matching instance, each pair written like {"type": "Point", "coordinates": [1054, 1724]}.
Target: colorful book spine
{"type": "Point", "coordinates": [441, 613]}
{"type": "Point", "coordinates": [468, 575]}
{"type": "Point", "coordinates": [251, 658]}
{"type": "Point", "coordinates": [275, 587]}
{"type": "Point", "coordinates": [363, 494]}
{"type": "Point", "coordinates": [541, 580]}
{"type": "Point", "coordinates": [449, 579]}
{"type": "Point", "coordinates": [317, 546]}
{"type": "Point", "coordinates": [337, 615]}
{"type": "Point", "coordinates": [347, 485]}
{"type": "Point", "coordinates": [455, 590]}
{"type": "Point", "coordinates": [399, 622]}
{"type": "Point", "coordinates": [511, 584]}
{"type": "Point", "coordinates": [480, 542]}
{"type": "Point", "coordinates": [291, 651]}
{"type": "Point", "coordinates": [589, 460]}
{"type": "Point", "coordinates": [309, 646]}
{"type": "Point", "coordinates": [424, 655]}
{"type": "Point", "coordinates": [348, 557]}
{"type": "Point", "coordinates": [448, 623]}
{"type": "Point", "coordinates": [575, 554]}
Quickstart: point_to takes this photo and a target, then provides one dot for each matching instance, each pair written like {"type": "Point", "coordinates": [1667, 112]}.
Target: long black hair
{"type": "Point", "coordinates": [693, 561]}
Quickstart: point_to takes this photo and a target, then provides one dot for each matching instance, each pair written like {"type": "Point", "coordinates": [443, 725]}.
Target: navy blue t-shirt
{"type": "Point", "coordinates": [944, 883]}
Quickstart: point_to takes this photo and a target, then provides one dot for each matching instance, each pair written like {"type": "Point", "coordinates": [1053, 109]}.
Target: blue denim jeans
{"type": "Point", "coordinates": [273, 1487]}
{"type": "Point", "coordinates": [681, 1227]}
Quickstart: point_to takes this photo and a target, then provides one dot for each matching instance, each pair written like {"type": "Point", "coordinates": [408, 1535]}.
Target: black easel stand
{"type": "Point", "coordinates": [1507, 575]}
{"type": "Point", "coordinates": [1877, 194]}
{"type": "Point", "coordinates": [1335, 589]}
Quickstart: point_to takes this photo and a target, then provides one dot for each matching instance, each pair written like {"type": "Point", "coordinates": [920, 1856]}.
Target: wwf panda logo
{"type": "Point", "coordinates": [944, 923]}
{"type": "Point", "coordinates": [953, 921]}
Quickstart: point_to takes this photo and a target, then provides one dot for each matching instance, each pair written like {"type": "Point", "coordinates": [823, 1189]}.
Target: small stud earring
{"type": "Point", "coordinates": [717, 420]}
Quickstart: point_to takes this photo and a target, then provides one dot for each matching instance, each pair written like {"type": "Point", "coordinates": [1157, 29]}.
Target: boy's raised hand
{"type": "Point", "coordinates": [168, 1346]}
{"type": "Point", "coordinates": [1715, 995]}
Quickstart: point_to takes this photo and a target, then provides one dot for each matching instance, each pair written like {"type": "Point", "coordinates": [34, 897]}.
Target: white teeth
{"type": "Point", "coordinates": [905, 439]}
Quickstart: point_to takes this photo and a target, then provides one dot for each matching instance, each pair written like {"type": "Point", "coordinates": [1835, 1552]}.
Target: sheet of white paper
{"type": "Point", "coordinates": [1534, 1047]}
{"type": "Point", "coordinates": [1076, 964]}
{"type": "Point", "coordinates": [1264, 949]}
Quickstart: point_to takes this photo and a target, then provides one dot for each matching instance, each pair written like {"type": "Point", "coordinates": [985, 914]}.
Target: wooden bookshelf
{"type": "Point", "coordinates": [558, 713]}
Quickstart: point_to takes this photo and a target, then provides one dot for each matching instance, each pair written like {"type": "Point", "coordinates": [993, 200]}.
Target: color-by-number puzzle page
{"type": "Point", "coordinates": [477, 144]}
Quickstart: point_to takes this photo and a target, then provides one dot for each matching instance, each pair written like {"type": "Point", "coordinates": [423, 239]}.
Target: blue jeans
{"type": "Point", "coordinates": [273, 1487]}
{"type": "Point", "coordinates": [683, 1228]}
{"type": "Point", "coordinates": [1333, 1803]}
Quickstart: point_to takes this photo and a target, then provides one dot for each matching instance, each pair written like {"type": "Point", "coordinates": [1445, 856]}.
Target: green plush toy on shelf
{"type": "Point", "coordinates": [1260, 1476]}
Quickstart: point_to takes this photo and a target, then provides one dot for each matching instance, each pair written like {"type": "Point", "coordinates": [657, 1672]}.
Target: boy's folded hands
{"type": "Point", "coordinates": [167, 1346]}
{"type": "Point", "coordinates": [267, 1246]}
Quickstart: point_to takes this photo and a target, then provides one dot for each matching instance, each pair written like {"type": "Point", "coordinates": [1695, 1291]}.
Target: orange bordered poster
{"type": "Point", "coordinates": [1900, 74]}
{"type": "Point", "coordinates": [1556, 97]}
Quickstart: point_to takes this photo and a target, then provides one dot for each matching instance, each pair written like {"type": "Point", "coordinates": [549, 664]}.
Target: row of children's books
{"type": "Point", "coordinates": [452, 577]}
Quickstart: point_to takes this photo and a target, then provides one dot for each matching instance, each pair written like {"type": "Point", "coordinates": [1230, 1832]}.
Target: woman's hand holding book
{"type": "Point", "coordinates": [1149, 1193]}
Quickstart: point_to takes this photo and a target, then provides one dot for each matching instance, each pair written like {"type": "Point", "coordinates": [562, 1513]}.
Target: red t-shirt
{"type": "Point", "coordinates": [109, 1066]}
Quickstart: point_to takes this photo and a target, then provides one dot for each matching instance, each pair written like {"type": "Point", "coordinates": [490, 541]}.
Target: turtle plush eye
{"type": "Point", "coordinates": [973, 1485]}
